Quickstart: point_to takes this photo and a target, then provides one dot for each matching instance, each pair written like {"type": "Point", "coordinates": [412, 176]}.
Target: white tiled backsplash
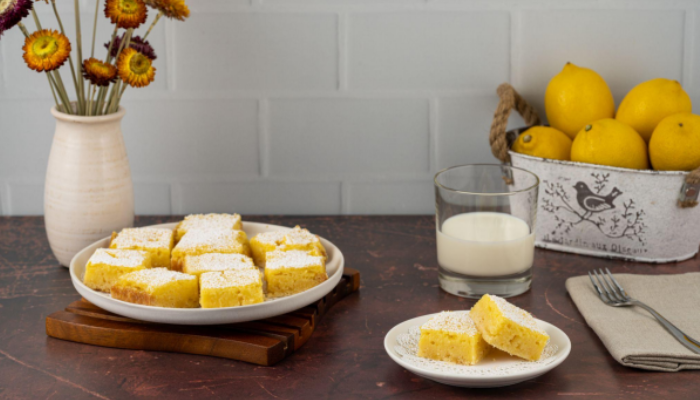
{"type": "Point", "coordinates": [337, 106]}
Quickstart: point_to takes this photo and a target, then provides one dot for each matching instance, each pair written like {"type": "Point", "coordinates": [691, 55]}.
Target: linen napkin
{"type": "Point", "coordinates": [634, 337]}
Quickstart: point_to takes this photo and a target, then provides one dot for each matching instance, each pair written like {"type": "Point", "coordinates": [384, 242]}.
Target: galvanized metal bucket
{"type": "Point", "coordinates": [640, 215]}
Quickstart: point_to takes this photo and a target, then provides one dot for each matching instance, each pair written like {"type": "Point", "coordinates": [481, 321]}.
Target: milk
{"type": "Point", "coordinates": [485, 244]}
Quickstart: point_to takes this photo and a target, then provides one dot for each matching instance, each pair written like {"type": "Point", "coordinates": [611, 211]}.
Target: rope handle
{"type": "Point", "coordinates": [509, 99]}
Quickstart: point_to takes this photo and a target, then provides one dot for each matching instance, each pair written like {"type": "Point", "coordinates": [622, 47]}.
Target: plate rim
{"type": "Point", "coordinates": [190, 313]}
{"type": "Point", "coordinates": [441, 377]}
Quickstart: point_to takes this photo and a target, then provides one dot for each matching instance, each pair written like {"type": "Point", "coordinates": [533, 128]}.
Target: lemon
{"type": "Point", "coordinates": [575, 98]}
{"type": "Point", "coordinates": [610, 142]}
{"type": "Point", "coordinates": [650, 102]}
{"type": "Point", "coordinates": [545, 142]}
{"type": "Point", "coordinates": [675, 143]}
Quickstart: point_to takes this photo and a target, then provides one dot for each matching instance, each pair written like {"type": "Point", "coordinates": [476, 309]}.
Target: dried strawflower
{"type": "Point", "coordinates": [98, 72]}
{"type": "Point", "coordinates": [126, 13]}
{"type": "Point", "coordinates": [175, 9]}
{"type": "Point", "coordinates": [46, 50]}
{"type": "Point", "coordinates": [136, 43]}
{"type": "Point", "coordinates": [135, 68]}
{"type": "Point", "coordinates": [12, 12]}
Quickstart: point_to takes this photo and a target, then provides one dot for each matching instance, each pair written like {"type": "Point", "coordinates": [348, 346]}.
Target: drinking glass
{"type": "Point", "coordinates": [485, 222]}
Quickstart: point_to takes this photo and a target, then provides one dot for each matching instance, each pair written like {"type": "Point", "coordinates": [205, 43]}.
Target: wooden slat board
{"type": "Point", "coordinates": [264, 342]}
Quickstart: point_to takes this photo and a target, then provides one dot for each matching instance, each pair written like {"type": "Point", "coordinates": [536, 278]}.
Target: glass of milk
{"type": "Point", "coordinates": [485, 222]}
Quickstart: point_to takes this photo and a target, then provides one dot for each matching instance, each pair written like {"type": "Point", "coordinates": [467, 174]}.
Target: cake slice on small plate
{"type": "Point", "coordinates": [452, 337]}
{"type": "Point", "coordinates": [509, 328]}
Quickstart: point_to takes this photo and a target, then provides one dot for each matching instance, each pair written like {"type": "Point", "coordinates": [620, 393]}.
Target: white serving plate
{"type": "Point", "coordinates": [209, 316]}
{"type": "Point", "coordinates": [496, 370]}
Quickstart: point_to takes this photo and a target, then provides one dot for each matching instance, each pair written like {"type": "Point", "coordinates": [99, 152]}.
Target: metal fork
{"type": "Point", "coordinates": [614, 295]}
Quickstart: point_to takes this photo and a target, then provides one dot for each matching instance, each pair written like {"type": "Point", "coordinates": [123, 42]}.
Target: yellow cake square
{"type": "Point", "coordinates": [509, 328]}
{"type": "Point", "coordinates": [196, 221]}
{"type": "Point", "coordinates": [216, 262]}
{"type": "Point", "coordinates": [294, 271]}
{"type": "Point", "coordinates": [231, 288]}
{"type": "Point", "coordinates": [156, 241]}
{"type": "Point", "coordinates": [453, 337]}
{"type": "Point", "coordinates": [302, 239]}
{"type": "Point", "coordinates": [158, 287]}
{"type": "Point", "coordinates": [105, 266]}
{"type": "Point", "coordinates": [295, 239]}
{"type": "Point", "coordinates": [203, 241]}
{"type": "Point", "coordinates": [263, 243]}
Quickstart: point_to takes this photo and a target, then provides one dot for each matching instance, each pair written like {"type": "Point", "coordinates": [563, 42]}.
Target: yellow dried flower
{"type": "Point", "coordinates": [46, 50]}
{"type": "Point", "coordinates": [175, 9]}
{"type": "Point", "coordinates": [135, 68]}
{"type": "Point", "coordinates": [126, 13]}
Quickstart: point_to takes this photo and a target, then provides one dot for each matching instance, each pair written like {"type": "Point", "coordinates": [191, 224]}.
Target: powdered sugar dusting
{"type": "Point", "coordinates": [451, 322]}
{"type": "Point", "coordinates": [212, 238]}
{"type": "Point", "coordinates": [218, 262]}
{"type": "Point", "coordinates": [225, 279]}
{"type": "Point", "coordinates": [143, 237]}
{"type": "Point", "coordinates": [225, 221]}
{"type": "Point", "coordinates": [291, 259]}
{"type": "Point", "coordinates": [299, 236]}
{"type": "Point", "coordinates": [407, 347]}
{"type": "Point", "coordinates": [155, 277]}
{"type": "Point", "coordinates": [516, 314]}
{"type": "Point", "coordinates": [272, 237]}
{"type": "Point", "coordinates": [119, 257]}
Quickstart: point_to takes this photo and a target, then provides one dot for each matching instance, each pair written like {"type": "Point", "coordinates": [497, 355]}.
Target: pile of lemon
{"type": "Point", "coordinates": [653, 124]}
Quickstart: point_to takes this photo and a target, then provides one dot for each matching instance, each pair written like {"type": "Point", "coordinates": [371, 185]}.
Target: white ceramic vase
{"type": "Point", "coordinates": [88, 191]}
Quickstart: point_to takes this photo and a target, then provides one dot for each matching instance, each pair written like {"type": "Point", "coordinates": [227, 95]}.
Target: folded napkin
{"type": "Point", "coordinates": [633, 336]}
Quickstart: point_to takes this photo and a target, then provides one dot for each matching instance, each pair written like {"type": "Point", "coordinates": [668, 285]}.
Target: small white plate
{"type": "Point", "coordinates": [496, 370]}
{"type": "Point", "coordinates": [209, 316]}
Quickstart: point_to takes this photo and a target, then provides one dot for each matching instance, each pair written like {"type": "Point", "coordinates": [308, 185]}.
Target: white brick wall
{"type": "Point", "coordinates": [336, 106]}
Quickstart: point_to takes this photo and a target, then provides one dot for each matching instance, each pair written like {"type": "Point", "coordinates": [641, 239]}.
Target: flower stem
{"type": "Point", "coordinates": [94, 30]}
{"type": "Point", "coordinates": [103, 89]}
{"type": "Point", "coordinates": [70, 57]}
{"type": "Point", "coordinates": [62, 92]}
{"type": "Point", "coordinates": [79, 40]}
{"type": "Point", "coordinates": [126, 41]}
{"type": "Point", "coordinates": [155, 21]}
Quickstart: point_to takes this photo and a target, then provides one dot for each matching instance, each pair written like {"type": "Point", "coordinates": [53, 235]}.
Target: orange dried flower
{"type": "Point", "coordinates": [175, 9]}
{"type": "Point", "coordinates": [46, 50]}
{"type": "Point", "coordinates": [126, 13]}
{"type": "Point", "coordinates": [135, 68]}
{"type": "Point", "coordinates": [98, 72]}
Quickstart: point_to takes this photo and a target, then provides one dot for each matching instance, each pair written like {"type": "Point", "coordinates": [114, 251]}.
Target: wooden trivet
{"type": "Point", "coordinates": [264, 342]}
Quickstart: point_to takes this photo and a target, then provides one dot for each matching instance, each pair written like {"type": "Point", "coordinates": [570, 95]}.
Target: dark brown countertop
{"type": "Point", "coordinates": [345, 358]}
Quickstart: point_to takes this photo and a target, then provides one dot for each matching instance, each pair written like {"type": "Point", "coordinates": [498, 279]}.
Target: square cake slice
{"type": "Point", "coordinates": [509, 328]}
{"type": "Point", "coordinates": [196, 221]}
{"type": "Point", "coordinates": [216, 262]}
{"type": "Point", "coordinates": [231, 288]}
{"type": "Point", "coordinates": [158, 287]}
{"type": "Point", "coordinates": [204, 241]}
{"type": "Point", "coordinates": [295, 239]}
{"type": "Point", "coordinates": [452, 337]}
{"type": "Point", "coordinates": [294, 271]}
{"type": "Point", "coordinates": [105, 266]}
{"type": "Point", "coordinates": [157, 242]}
{"type": "Point", "coordinates": [263, 243]}
{"type": "Point", "coordinates": [301, 239]}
